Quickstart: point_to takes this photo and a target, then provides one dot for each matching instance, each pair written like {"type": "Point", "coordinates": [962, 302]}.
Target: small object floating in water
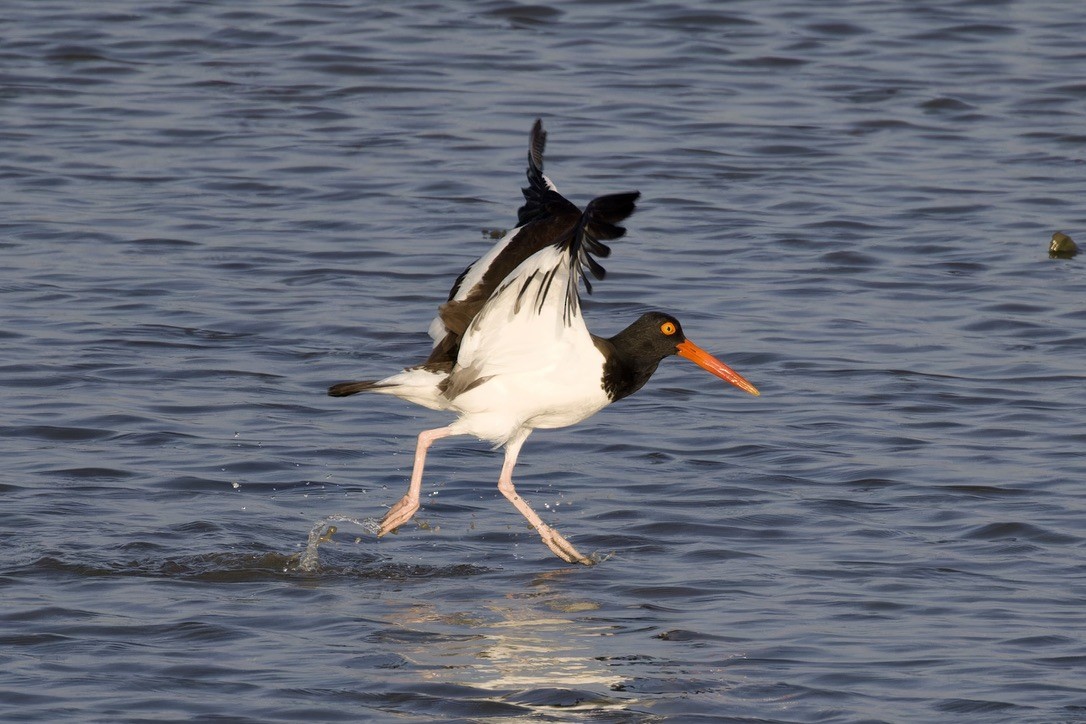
{"type": "Point", "coordinates": [512, 352]}
{"type": "Point", "coordinates": [1062, 246]}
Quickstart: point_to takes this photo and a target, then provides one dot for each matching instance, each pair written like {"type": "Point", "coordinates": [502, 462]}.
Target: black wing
{"type": "Point", "coordinates": [597, 224]}
{"type": "Point", "coordinates": [546, 218]}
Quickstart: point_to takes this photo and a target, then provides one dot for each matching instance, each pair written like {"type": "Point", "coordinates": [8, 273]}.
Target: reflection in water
{"type": "Point", "coordinates": [521, 647]}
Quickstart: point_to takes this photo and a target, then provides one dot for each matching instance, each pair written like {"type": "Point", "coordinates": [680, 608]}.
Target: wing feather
{"type": "Point", "coordinates": [545, 216]}
{"type": "Point", "coordinates": [533, 320]}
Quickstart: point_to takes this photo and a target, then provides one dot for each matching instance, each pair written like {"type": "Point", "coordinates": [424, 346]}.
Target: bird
{"type": "Point", "coordinates": [511, 350]}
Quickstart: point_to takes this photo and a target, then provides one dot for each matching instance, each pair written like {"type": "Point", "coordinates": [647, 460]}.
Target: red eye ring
{"type": "Point", "coordinates": [668, 328]}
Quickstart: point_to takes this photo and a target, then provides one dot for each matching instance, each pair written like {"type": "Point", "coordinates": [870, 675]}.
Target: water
{"type": "Point", "coordinates": [309, 559]}
{"type": "Point", "coordinates": [212, 211]}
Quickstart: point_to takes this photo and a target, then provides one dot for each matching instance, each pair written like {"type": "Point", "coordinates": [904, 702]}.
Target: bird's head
{"type": "Point", "coordinates": [658, 335]}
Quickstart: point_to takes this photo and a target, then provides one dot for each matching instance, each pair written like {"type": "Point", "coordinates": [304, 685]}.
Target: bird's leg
{"type": "Point", "coordinates": [554, 540]}
{"type": "Point", "coordinates": [408, 505]}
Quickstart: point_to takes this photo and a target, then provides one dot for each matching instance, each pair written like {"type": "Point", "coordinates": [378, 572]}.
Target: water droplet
{"type": "Point", "coordinates": [320, 533]}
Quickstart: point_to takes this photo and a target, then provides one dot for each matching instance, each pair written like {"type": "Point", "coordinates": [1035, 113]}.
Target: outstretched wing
{"type": "Point", "coordinates": [533, 319]}
{"type": "Point", "coordinates": [545, 216]}
{"type": "Point", "coordinates": [598, 223]}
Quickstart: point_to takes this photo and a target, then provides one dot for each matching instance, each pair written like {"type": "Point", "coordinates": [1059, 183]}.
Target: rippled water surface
{"type": "Point", "coordinates": [211, 211]}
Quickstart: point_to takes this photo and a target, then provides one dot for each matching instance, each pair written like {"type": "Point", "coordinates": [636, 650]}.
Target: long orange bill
{"type": "Point", "coordinates": [709, 363]}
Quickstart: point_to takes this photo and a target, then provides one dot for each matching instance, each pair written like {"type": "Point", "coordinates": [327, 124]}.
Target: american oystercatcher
{"type": "Point", "coordinates": [511, 350]}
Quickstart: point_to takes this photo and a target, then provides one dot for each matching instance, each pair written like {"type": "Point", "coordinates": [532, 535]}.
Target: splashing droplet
{"type": "Point", "coordinates": [321, 532]}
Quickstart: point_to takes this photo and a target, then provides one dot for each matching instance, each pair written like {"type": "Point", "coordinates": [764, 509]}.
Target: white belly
{"type": "Point", "coordinates": [558, 396]}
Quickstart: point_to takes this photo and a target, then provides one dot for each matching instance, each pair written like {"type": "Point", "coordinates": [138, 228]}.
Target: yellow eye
{"type": "Point", "coordinates": [667, 328]}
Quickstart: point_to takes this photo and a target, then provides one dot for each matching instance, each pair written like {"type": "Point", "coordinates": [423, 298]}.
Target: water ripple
{"type": "Point", "coordinates": [211, 212]}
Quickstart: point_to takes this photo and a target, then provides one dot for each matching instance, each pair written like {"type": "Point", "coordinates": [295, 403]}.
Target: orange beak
{"type": "Point", "coordinates": [709, 363]}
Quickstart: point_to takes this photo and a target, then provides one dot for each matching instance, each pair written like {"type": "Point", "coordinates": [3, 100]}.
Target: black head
{"type": "Point", "coordinates": [652, 337]}
{"type": "Point", "coordinates": [640, 347]}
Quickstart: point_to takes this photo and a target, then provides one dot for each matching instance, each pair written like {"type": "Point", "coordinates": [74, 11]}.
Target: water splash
{"type": "Point", "coordinates": [321, 532]}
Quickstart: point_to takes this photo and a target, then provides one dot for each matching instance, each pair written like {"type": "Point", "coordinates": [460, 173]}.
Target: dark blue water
{"type": "Point", "coordinates": [209, 212]}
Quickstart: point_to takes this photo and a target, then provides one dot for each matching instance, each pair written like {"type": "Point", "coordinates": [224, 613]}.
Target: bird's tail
{"type": "Point", "coordinates": [420, 385]}
{"type": "Point", "coordinates": [343, 389]}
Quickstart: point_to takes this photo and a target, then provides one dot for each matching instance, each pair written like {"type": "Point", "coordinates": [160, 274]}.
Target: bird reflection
{"type": "Point", "coordinates": [530, 646]}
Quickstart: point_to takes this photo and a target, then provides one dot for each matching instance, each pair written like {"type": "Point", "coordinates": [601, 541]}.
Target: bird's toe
{"type": "Point", "coordinates": [563, 548]}
{"type": "Point", "coordinates": [397, 515]}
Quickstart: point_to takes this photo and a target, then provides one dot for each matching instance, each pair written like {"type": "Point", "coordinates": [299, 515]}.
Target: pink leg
{"type": "Point", "coordinates": [554, 540]}
{"type": "Point", "coordinates": [408, 505]}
